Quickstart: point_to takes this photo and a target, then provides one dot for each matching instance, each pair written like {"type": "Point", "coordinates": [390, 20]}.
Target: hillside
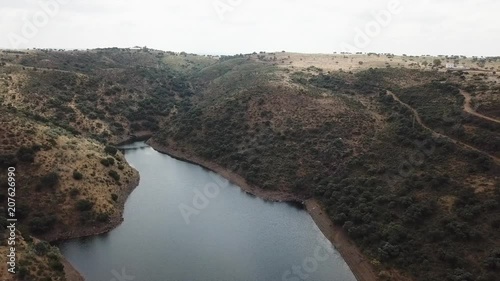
{"type": "Point", "coordinates": [403, 153]}
{"type": "Point", "coordinates": [421, 200]}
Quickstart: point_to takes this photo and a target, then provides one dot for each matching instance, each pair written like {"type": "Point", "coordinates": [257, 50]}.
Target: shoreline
{"type": "Point", "coordinates": [70, 272]}
{"type": "Point", "coordinates": [268, 195]}
{"type": "Point", "coordinates": [359, 265]}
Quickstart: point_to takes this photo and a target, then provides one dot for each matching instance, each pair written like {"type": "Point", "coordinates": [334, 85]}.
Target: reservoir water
{"type": "Point", "coordinates": [185, 223]}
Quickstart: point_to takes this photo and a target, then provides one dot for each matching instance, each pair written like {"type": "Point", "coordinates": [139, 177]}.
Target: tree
{"type": "Point", "coordinates": [73, 192]}
{"type": "Point", "coordinates": [102, 217]}
{"type": "Point", "coordinates": [8, 161]}
{"type": "Point", "coordinates": [56, 265]}
{"type": "Point", "coordinates": [105, 162]}
{"type": "Point", "coordinates": [77, 175]}
{"type": "Point", "coordinates": [111, 161]}
{"type": "Point", "coordinates": [26, 154]}
{"type": "Point", "coordinates": [437, 62]}
{"type": "Point", "coordinates": [111, 150]}
{"type": "Point", "coordinates": [23, 272]}
{"type": "Point", "coordinates": [42, 248]}
{"type": "Point", "coordinates": [50, 180]}
{"type": "Point", "coordinates": [40, 225]}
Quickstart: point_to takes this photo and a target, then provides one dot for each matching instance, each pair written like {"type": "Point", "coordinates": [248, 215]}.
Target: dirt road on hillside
{"type": "Point", "coordinates": [439, 135]}
{"type": "Point", "coordinates": [468, 108]}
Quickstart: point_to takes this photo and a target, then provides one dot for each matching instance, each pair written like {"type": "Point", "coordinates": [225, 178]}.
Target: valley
{"type": "Point", "coordinates": [400, 153]}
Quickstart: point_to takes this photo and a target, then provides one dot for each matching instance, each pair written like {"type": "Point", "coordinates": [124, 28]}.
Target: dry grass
{"type": "Point", "coordinates": [351, 62]}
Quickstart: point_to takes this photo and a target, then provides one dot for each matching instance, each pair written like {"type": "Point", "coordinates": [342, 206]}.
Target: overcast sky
{"type": "Point", "coordinates": [465, 27]}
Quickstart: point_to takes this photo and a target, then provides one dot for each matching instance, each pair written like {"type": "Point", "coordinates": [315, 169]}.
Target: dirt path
{"type": "Point", "coordinates": [360, 266]}
{"type": "Point", "coordinates": [439, 135]}
{"type": "Point", "coordinates": [468, 108]}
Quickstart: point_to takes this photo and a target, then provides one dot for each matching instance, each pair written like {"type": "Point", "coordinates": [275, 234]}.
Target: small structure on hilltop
{"type": "Point", "coordinates": [454, 66]}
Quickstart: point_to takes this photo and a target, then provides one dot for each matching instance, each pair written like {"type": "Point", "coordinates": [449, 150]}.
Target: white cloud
{"type": "Point", "coordinates": [423, 27]}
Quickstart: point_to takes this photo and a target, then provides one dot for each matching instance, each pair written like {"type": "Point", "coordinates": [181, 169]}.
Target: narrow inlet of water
{"type": "Point", "coordinates": [185, 223]}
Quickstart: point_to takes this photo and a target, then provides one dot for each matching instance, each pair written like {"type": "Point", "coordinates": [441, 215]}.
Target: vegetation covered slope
{"type": "Point", "coordinates": [61, 113]}
{"type": "Point", "coordinates": [413, 197]}
{"type": "Point", "coordinates": [107, 94]}
{"type": "Point", "coordinates": [390, 152]}
{"type": "Point", "coordinates": [63, 189]}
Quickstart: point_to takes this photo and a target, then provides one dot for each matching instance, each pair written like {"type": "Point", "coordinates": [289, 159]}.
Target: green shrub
{"type": "Point", "coordinates": [7, 161]}
{"type": "Point", "coordinates": [105, 162]}
{"type": "Point", "coordinates": [77, 175]}
{"type": "Point", "coordinates": [84, 205]}
{"type": "Point", "coordinates": [41, 248]}
{"type": "Point", "coordinates": [22, 210]}
{"type": "Point", "coordinates": [56, 265]}
{"type": "Point", "coordinates": [111, 161]}
{"type": "Point", "coordinates": [53, 256]}
{"type": "Point", "coordinates": [73, 192]}
{"type": "Point", "coordinates": [102, 217]}
{"type": "Point", "coordinates": [26, 154]}
{"type": "Point", "coordinates": [3, 221]}
{"type": "Point", "coordinates": [86, 217]}
{"type": "Point", "coordinates": [41, 225]}
{"type": "Point", "coordinates": [114, 175]}
{"type": "Point", "coordinates": [111, 150]}
{"type": "Point", "coordinates": [22, 272]}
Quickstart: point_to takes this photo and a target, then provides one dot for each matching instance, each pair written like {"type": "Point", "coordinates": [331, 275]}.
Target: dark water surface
{"type": "Point", "coordinates": [184, 223]}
